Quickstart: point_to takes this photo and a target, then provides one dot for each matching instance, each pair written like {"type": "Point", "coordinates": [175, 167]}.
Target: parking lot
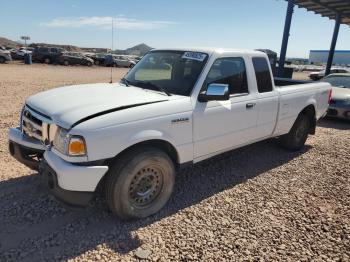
{"type": "Point", "coordinates": [256, 203]}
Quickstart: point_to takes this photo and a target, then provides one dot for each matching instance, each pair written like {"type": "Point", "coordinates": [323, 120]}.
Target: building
{"type": "Point", "coordinates": [341, 57]}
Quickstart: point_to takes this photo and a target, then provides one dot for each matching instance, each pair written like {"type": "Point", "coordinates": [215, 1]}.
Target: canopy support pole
{"type": "Point", "coordinates": [286, 31]}
{"type": "Point", "coordinates": [333, 44]}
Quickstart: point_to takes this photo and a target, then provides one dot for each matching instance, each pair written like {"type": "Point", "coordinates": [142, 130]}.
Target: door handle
{"type": "Point", "coordinates": [250, 105]}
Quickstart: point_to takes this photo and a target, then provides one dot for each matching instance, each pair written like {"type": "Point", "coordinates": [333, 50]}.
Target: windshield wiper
{"type": "Point", "coordinates": [151, 85]}
{"type": "Point", "coordinates": [125, 81]}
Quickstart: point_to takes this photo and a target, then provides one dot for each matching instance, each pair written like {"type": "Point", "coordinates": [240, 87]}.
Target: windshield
{"type": "Point", "coordinates": [338, 81]}
{"type": "Point", "coordinates": [175, 72]}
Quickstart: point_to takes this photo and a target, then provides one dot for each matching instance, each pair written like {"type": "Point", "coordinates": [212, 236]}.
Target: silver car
{"type": "Point", "coordinates": [318, 75]}
{"type": "Point", "coordinates": [123, 61]}
{"type": "Point", "coordinates": [5, 55]}
{"type": "Point", "coordinates": [339, 106]}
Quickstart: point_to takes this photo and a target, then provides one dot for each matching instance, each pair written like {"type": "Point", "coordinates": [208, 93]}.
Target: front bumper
{"type": "Point", "coordinates": [49, 181]}
{"type": "Point", "coordinates": [339, 112]}
{"type": "Point", "coordinates": [73, 183]}
{"type": "Point", "coordinates": [75, 177]}
{"type": "Point", "coordinates": [26, 150]}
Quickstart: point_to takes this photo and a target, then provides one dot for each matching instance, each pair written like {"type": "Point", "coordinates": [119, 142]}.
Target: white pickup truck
{"type": "Point", "coordinates": [175, 107]}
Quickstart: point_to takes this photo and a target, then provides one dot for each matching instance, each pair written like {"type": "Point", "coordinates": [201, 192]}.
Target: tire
{"type": "Point", "coordinates": [97, 62]}
{"type": "Point", "coordinates": [47, 60]}
{"type": "Point", "coordinates": [89, 64]}
{"type": "Point", "coordinates": [296, 138]}
{"type": "Point", "coordinates": [2, 60]}
{"type": "Point", "coordinates": [140, 183]}
{"type": "Point", "coordinates": [66, 62]}
{"type": "Point", "coordinates": [131, 66]}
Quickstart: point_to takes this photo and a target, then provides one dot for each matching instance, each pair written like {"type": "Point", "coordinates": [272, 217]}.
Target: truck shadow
{"type": "Point", "coordinates": [35, 227]}
{"type": "Point", "coordinates": [333, 123]}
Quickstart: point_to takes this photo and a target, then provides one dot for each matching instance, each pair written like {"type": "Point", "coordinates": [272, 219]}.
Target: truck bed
{"type": "Point", "coordinates": [280, 82]}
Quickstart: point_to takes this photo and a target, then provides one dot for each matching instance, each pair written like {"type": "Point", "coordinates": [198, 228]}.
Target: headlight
{"type": "Point", "coordinates": [70, 145]}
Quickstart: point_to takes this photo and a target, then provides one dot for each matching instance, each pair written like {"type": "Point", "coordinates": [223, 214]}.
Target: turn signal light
{"type": "Point", "coordinates": [76, 146]}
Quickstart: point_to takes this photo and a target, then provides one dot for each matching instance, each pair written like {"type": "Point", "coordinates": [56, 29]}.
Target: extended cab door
{"type": "Point", "coordinates": [267, 98]}
{"type": "Point", "coordinates": [221, 125]}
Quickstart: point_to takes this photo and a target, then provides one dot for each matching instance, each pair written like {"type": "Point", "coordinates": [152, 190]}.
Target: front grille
{"type": "Point", "coordinates": [35, 125]}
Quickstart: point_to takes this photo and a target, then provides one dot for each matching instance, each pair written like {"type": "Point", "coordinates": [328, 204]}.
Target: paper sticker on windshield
{"type": "Point", "coordinates": [194, 56]}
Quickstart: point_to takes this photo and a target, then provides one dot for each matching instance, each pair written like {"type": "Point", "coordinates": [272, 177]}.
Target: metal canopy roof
{"type": "Point", "coordinates": [328, 8]}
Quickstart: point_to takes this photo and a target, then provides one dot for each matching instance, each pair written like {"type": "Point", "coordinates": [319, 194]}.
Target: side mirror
{"type": "Point", "coordinates": [215, 92]}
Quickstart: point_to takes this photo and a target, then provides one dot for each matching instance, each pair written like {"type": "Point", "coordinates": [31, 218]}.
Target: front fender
{"type": "Point", "coordinates": [146, 135]}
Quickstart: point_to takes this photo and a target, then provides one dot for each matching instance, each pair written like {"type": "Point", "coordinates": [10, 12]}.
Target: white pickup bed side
{"type": "Point", "coordinates": [295, 98]}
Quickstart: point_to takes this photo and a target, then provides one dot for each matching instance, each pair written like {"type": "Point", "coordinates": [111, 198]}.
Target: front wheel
{"type": "Point", "coordinates": [298, 134]}
{"type": "Point", "coordinates": [47, 60]}
{"type": "Point", "coordinates": [140, 183]}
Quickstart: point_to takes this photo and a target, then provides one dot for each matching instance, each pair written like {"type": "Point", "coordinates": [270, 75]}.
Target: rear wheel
{"type": "Point", "coordinates": [97, 62]}
{"type": "Point", "coordinates": [140, 183]}
{"type": "Point", "coordinates": [298, 134]}
{"type": "Point", "coordinates": [47, 60]}
{"type": "Point", "coordinates": [66, 62]}
{"type": "Point", "coordinates": [2, 60]}
{"type": "Point", "coordinates": [89, 64]}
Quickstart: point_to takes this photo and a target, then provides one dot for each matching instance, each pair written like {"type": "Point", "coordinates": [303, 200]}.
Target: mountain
{"type": "Point", "coordinates": [9, 43]}
{"type": "Point", "coordinates": [140, 49]}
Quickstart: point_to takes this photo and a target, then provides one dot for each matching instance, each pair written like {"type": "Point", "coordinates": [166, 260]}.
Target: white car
{"type": "Point", "coordinates": [176, 107]}
{"type": "Point", "coordinates": [5, 55]}
{"type": "Point", "coordinates": [339, 106]}
{"type": "Point", "coordinates": [23, 50]}
{"type": "Point", "coordinates": [120, 61]}
{"type": "Point", "coordinates": [319, 75]}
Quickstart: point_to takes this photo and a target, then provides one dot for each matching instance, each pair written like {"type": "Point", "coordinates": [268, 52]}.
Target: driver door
{"type": "Point", "coordinates": [223, 125]}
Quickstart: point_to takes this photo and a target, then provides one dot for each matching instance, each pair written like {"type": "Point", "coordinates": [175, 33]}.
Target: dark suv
{"type": "Point", "coordinates": [74, 58]}
{"type": "Point", "coordinates": [47, 55]}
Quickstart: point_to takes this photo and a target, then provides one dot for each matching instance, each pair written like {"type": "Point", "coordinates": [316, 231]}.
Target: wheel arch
{"type": "Point", "coordinates": [310, 111]}
{"type": "Point", "coordinates": [161, 144]}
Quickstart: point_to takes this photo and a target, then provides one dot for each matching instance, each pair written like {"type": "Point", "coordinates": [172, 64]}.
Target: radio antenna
{"type": "Point", "coordinates": [112, 65]}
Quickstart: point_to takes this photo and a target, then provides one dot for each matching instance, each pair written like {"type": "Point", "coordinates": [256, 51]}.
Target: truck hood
{"type": "Point", "coordinates": [69, 105]}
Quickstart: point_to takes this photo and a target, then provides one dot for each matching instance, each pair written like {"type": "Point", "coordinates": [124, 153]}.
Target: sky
{"type": "Point", "coordinates": [247, 24]}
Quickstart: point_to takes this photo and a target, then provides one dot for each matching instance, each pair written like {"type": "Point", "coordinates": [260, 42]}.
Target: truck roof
{"type": "Point", "coordinates": [211, 50]}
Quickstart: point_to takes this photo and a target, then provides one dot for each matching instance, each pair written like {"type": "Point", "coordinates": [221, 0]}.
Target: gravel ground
{"type": "Point", "coordinates": [256, 203]}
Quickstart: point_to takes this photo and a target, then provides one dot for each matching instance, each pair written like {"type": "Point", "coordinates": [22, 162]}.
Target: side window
{"type": "Point", "coordinates": [262, 74]}
{"type": "Point", "coordinates": [230, 71]}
